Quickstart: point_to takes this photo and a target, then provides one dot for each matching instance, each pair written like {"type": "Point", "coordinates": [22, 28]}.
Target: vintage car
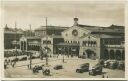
{"type": "Point", "coordinates": [83, 56]}
{"type": "Point", "coordinates": [113, 64]}
{"type": "Point", "coordinates": [106, 64]}
{"type": "Point", "coordinates": [97, 69]}
{"type": "Point", "coordinates": [83, 68]}
{"type": "Point", "coordinates": [46, 72]}
{"type": "Point", "coordinates": [57, 67]}
{"type": "Point", "coordinates": [23, 59]}
{"type": "Point", "coordinates": [15, 60]}
{"type": "Point", "coordinates": [121, 65]}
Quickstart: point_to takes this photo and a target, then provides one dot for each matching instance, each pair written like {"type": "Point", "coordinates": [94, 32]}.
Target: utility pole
{"type": "Point", "coordinates": [16, 38]}
{"type": "Point", "coordinates": [30, 52]}
{"type": "Point", "coordinates": [63, 50]}
{"type": "Point", "coordinates": [30, 60]}
{"type": "Point", "coordinates": [30, 30]}
{"type": "Point", "coordinates": [46, 49]}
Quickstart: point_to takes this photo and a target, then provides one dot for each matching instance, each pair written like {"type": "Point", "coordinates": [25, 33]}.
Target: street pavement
{"type": "Point", "coordinates": [69, 69]}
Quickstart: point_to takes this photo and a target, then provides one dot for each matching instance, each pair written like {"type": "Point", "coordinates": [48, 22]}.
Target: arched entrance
{"type": "Point", "coordinates": [90, 53]}
{"type": "Point", "coordinates": [46, 51]}
{"type": "Point", "coordinates": [106, 54]}
{"type": "Point", "coordinates": [118, 55]}
{"type": "Point", "coordinates": [112, 55]}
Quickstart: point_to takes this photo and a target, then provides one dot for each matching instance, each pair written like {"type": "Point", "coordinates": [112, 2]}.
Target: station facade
{"type": "Point", "coordinates": [78, 40]}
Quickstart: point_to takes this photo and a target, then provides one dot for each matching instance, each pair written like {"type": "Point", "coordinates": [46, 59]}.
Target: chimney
{"type": "Point", "coordinates": [75, 22]}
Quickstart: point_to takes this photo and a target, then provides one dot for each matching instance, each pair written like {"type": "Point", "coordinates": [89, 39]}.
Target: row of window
{"type": "Point", "coordinates": [46, 42]}
{"type": "Point", "coordinates": [89, 43]}
{"type": "Point", "coordinates": [112, 42]}
{"type": "Point", "coordinates": [72, 42]}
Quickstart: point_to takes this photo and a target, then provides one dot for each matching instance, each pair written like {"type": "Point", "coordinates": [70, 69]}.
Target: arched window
{"type": "Point", "coordinates": [112, 54]}
{"type": "Point", "coordinates": [118, 55]}
{"type": "Point", "coordinates": [106, 54]}
{"type": "Point", "coordinates": [88, 43]}
{"type": "Point", "coordinates": [91, 43]}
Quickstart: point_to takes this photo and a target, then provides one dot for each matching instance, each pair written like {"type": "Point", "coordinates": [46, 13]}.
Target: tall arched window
{"type": "Point", "coordinates": [112, 54]}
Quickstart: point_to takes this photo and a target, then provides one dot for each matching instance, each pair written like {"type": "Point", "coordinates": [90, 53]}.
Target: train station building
{"type": "Point", "coordinates": [78, 40]}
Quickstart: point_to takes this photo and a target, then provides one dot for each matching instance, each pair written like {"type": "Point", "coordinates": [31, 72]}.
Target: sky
{"type": "Point", "coordinates": [61, 13]}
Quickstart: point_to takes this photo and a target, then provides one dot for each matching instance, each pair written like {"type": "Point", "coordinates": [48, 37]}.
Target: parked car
{"type": "Point", "coordinates": [57, 67]}
{"type": "Point", "coordinates": [23, 59]}
{"type": "Point", "coordinates": [46, 72]}
{"type": "Point", "coordinates": [83, 68]}
{"type": "Point", "coordinates": [15, 60]}
{"type": "Point", "coordinates": [106, 64]}
{"type": "Point", "coordinates": [97, 69]}
{"type": "Point", "coordinates": [83, 56]}
{"type": "Point", "coordinates": [121, 65]}
{"type": "Point", "coordinates": [113, 64]}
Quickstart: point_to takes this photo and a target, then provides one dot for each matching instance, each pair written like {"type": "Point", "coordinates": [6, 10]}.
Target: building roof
{"type": "Point", "coordinates": [112, 28]}
{"type": "Point", "coordinates": [106, 36]}
{"type": "Point", "coordinates": [13, 30]}
{"type": "Point", "coordinates": [51, 27]}
{"type": "Point", "coordinates": [102, 36]}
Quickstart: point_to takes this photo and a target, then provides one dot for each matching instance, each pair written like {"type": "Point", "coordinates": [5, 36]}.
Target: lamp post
{"type": "Point", "coordinates": [63, 52]}
{"type": "Point", "coordinates": [16, 39]}
{"type": "Point", "coordinates": [46, 49]}
{"type": "Point", "coordinates": [46, 53]}
{"type": "Point", "coordinates": [30, 60]}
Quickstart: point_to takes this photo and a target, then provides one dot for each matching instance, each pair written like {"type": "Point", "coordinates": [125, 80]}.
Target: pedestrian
{"type": "Point", "coordinates": [28, 66]}
{"type": "Point", "coordinates": [5, 66]}
{"type": "Point", "coordinates": [33, 70]}
{"type": "Point", "coordinates": [13, 65]}
{"type": "Point", "coordinates": [11, 62]}
{"type": "Point", "coordinates": [107, 76]}
{"type": "Point", "coordinates": [103, 76]}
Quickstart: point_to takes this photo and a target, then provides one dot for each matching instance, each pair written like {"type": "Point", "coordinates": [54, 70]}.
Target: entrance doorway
{"type": "Point", "coordinates": [112, 55]}
{"type": "Point", "coordinates": [90, 53]}
{"type": "Point", "coordinates": [118, 55]}
{"type": "Point", "coordinates": [106, 54]}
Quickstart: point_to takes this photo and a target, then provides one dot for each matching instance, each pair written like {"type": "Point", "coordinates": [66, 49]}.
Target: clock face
{"type": "Point", "coordinates": [75, 32]}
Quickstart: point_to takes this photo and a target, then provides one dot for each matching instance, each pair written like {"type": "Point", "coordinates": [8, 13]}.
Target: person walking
{"type": "Point", "coordinates": [28, 66]}
{"type": "Point", "coordinates": [103, 76]}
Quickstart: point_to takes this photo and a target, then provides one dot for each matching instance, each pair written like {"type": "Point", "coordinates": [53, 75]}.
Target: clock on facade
{"type": "Point", "coordinates": [75, 32]}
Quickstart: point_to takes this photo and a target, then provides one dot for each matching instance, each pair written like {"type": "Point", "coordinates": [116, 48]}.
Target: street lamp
{"type": "Point", "coordinates": [30, 54]}
{"type": "Point", "coordinates": [63, 51]}
{"type": "Point", "coordinates": [46, 52]}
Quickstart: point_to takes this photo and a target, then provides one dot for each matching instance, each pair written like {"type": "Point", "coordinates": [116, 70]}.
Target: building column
{"type": "Point", "coordinates": [20, 45]}
{"type": "Point", "coordinates": [81, 51]}
{"type": "Point", "coordinates": [109, 53]}
{"type": "Point", "coordinates": [26, 46]}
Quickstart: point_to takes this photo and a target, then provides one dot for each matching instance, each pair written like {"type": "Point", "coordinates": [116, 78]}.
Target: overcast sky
{"type": "Point", "coordinates": [62, 13]}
